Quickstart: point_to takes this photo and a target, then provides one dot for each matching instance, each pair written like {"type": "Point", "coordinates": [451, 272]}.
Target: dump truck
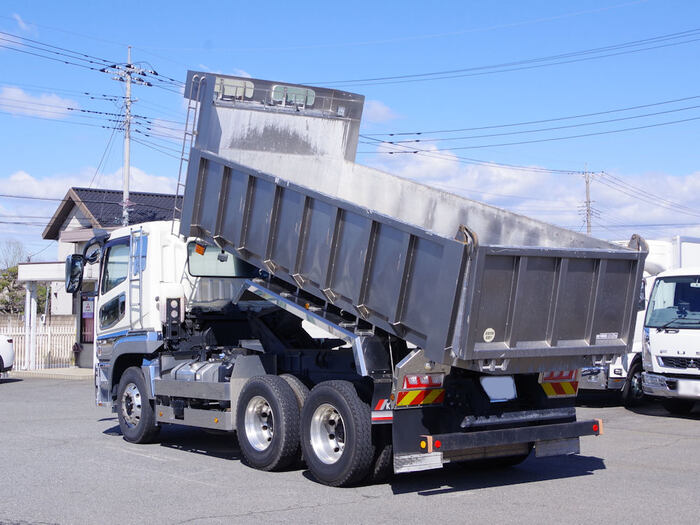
{"type": "Point", "coordinates": [452, 330]}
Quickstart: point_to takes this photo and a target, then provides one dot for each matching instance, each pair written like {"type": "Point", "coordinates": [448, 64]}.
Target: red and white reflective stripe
{"type": "Point", "coordinates": [382, 415]}
{"type": "Point", "coordinates": [382, 404]}
{"type": "Point", "coordinates": [559, 376]}
{"type": "Point", "coordinates": [422, 381]}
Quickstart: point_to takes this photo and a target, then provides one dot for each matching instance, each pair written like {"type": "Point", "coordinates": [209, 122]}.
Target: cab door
{"type": "Point", "coordinates": [113, 298]}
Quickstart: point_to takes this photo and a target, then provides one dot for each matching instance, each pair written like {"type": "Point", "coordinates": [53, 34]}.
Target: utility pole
{"type": "Point", "coordinates": [587, 178]}
{"type": "Point", "coordinates": [128, 73]}
{"type": "Point", "coordinates": [127, 140]}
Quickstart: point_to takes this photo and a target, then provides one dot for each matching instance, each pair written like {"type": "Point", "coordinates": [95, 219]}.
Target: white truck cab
{"type": "Point", "coordinates": [671, 343]}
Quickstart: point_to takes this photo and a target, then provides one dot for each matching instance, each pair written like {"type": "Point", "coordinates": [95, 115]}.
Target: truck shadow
{"type": "Point", "coordinates": [461, 478]}
{"type": "Point", "coordinates": [654, 409]}
{"type": "Point", "coordinates": [10, 380]}
{"type": "Point", "coordinates": [596, 399]}
{"type": "Point", "coordinates": [222, 445]}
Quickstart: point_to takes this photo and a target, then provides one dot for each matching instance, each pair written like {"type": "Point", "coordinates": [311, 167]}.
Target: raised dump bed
{"type": "Point", "coordinates": [271, 178]}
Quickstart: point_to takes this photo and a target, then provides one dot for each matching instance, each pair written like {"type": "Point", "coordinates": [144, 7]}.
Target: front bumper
{"type": "Point", "coordinates": [661, 386]}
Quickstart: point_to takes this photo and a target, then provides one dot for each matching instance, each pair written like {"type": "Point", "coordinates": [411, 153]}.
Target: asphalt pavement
{"type": "Point", "coordinates": [63, 461]}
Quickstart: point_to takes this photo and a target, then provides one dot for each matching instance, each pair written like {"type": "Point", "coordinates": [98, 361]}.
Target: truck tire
{"type": "Point", "coordinates": [137, 419]}
{"type": "Point", "coordinates": [267, 423]}
{"type": "Point", "coordinates": [336, 432]}
{"type": "Point", "coordinates": [632, 393]}
{"type": "Point", "coordinates": [382, 464]}
{"type": "Point", "coordinates": [678, 407]}
{"type": "Point", "coordinates": [301, 391]}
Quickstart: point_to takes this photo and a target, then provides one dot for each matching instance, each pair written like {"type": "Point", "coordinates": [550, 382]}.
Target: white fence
{"type": "Point", "coordinates": [54, 341]}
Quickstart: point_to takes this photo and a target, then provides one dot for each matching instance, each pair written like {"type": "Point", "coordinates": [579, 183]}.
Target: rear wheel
{"type": "Point", "coordinates": [679, 407]}
{"type": "Point", "coordinates": [632, 393]}
{"type": "Point", "coordinates": [301, 391]}
{"type": "Point", "coordinates": [336, 434]}
{"type": "Point", "coordinates": [137, 419]}
{"type": "Point", "coordinates": [267, 423]}
{"type": "Point", "coordinates": [381, 468]}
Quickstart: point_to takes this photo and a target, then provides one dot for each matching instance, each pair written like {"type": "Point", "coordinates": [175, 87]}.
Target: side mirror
{"type": "Point", "coordinates": [93, 253]}
{"type": "Point", "coordinates": [75, 264]}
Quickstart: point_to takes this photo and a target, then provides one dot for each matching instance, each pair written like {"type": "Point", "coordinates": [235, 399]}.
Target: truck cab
{"type": "Point", "coordinates": [671, 343]}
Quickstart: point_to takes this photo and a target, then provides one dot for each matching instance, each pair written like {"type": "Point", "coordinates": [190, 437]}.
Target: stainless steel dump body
{"type": "Point", "coordinates": [474, 285]}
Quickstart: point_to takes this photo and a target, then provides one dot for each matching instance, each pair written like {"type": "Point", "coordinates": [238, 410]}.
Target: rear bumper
{"type": "Point", "coordinates": [462, 441]}
{"type": "Point", "coordinates": [661, 386]}
{"type": "Point", "coordinates": [598, 378]}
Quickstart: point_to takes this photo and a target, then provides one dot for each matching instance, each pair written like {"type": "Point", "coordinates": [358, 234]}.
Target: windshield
{"type": "Point", "coordinates": [210, 261]}
{"type": "Point", "coordinates": [674, 303]}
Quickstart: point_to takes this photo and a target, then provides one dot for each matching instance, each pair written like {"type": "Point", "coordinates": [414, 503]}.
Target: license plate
{"type": "Point", "coordinates": [499, 388]}
{"type": "Point", "coordinates": [688, 388]}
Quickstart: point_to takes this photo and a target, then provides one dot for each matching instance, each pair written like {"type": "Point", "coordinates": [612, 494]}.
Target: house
{"type": "Point", "coordinates": [83, 213]}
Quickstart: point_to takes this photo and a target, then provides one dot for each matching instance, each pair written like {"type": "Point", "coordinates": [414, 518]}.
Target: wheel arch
{"type": "Point", "coordinates": [121, 363]}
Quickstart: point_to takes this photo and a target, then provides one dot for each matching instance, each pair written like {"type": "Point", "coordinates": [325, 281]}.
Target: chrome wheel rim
{"type": "Point", "coordinates": [259, 423]}
{"type": "Point", "coordinates": [327, 434]}
{"type": "Point", "coordinates": [636, 386]}
{"type": "Point", "coordinates": [131, 405]}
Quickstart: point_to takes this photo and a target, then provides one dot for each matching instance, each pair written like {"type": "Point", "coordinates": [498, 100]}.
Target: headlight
{"type": "Point", "coordinates": [646, 351]}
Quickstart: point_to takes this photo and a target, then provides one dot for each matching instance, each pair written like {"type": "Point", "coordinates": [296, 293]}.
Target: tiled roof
{"type": "Point", "coordinates": [103, 208]}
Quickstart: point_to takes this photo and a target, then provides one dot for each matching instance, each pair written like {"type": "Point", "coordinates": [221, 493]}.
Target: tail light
{"type": "Point", "coordinates": [422, 381]}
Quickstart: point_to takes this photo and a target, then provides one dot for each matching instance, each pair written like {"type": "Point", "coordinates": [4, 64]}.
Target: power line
{"type": "Point", "coordinates": [455, 158]}
{"type": "Point", "coordinates": [60, 121]}
{"type": "Point", "coordinates": [532, 63]}
{"type": "Point", "coordinates": [527, 123]}
{"type": "Point", "coordinates": [61, 50]}
{"type": "Point", "coordinates": [648, 199]}
{"type": "Point", "coordinates": [642, 193]}
{"type": "Point", "coordinates": [156, 148]}
{"type": "Point", "coordinates": [569, 137]}
{"type": "Point", "coordinates": [552, 128]}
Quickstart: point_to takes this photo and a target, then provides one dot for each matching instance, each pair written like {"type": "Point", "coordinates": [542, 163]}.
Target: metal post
{"type": "Point", "coordinates": [32, 326]}
{"type": "Point", "coordinates": [27, 325]}
{"type": "Point", "coordinates": [127, 132]}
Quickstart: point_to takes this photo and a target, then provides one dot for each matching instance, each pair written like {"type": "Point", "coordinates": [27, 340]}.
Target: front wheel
{"type": "Point", "coordinates": [632, 392]}
{"type": "Point", "coordinates": [336, 432]}
{"type": "Point", "coordinates": [678, 407]}
{"type": "Point", "coordinates": [137, 419]}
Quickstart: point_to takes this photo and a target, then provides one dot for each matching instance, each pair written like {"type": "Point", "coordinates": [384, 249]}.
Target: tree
{"type": "Point", "coordinates": [12, 252]}
{"type": "Point", "coordinates": [12, 293]}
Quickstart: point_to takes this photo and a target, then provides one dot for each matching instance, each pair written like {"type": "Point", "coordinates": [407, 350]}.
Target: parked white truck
{"type": "Point", "coordinates": [625, 372]}
{"type": "Point", "coordinates": [671, 344]}
{"type": "Point", "coordinates": [458, 328]}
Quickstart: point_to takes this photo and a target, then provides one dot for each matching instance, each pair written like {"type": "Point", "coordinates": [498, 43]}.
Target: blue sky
{"type": "Point", "coordinates": [643, 179]}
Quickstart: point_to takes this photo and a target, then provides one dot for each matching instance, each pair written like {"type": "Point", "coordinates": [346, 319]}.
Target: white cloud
{"type": "Point", "coordinates": [23, 26]}
{"type": "Point", "coordinates": [18, 102]}
{"type": "Point", "coordinates": [241, 73]}
{"type": "Point", "coordinates": [376, 112]}
{"type": "Point", "coordinates": [558, 198]}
